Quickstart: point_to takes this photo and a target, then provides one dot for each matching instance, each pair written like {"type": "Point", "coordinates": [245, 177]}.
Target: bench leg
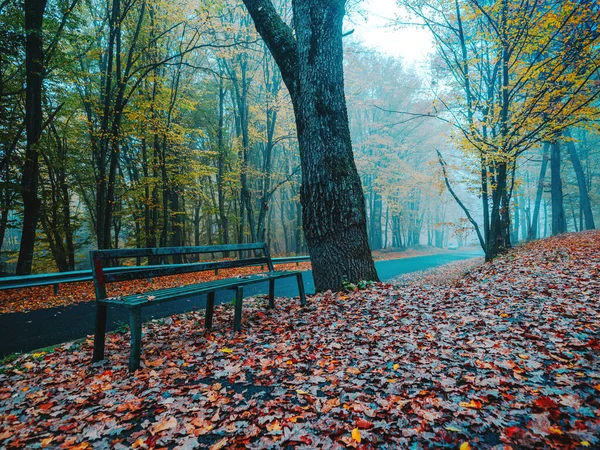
{"type": "Point", "coordinates": [210, 306]}
{"type": "Point", "coordinates": [271, 294]}
{"type": "Point", "coordinates": [301, 289]}
{"type": "Point", "coordinates": [100, 334]}
{"type": "Point", "coordinates": [135, 327]}
{"type": "Point", "coordinates": [237, 320]}
{"type": "Point", "coordinates": [56, 289]}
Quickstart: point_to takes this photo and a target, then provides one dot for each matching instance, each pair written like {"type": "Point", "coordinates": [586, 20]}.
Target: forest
{"type": "Point", "coordinates": [143, 123]}
{"type": "Point", "coordinates": [263, 224]}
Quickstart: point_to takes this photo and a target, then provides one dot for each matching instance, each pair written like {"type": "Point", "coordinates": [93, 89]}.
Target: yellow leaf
{"type": "Point", "coordinates": [138, 443]}
{"type": "Point", "coordinates": [465, 446]}
{"type": "Point", "coordinates": [555, 430]}
{"type": "Point", "coordinates": [301, 392]}
{"type": "Point", "coordinates": [597, 387]}
{"type": "Point", "coordinates": [451, 428]}
{"type": "Point", "coordinates": [523, 356]}
{"type": "Point", "coordinates": [46, 442]}
{"type": "Point", "coordinates": [504, 315]}
{"type": "Point", "coordinates": [356, 435]}
{"type": "Point", "coordinates": [585, 443]}
{"type": "Point", "coordinates": [396, 366]}
{"type": "Point", "coordinates": [227, 350]}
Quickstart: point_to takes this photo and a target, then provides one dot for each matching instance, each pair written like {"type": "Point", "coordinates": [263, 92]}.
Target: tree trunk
{"type": "Point", "coordinates": [584, 198]}
{"type": "Point", "coordinates": [516, 220]}
{"type": "Point", "coordinates": [499, 239]}
{"type": "Point", "coordinates": [375, 222]}
{"type": "Point", "coordinates": [224, 218]}
{"type": "Point", "coordinates": [333, 208]}
{"type": "Point", "coordinates": [533, 231]}
{"type": "Point", "coordinates": [34, 69]}
{"type": "Point", "coordinates": [559, 224]}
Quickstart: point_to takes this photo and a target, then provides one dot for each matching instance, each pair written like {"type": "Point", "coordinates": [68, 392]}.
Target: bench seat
{"type": "Point", "coordinates": [193, 290]}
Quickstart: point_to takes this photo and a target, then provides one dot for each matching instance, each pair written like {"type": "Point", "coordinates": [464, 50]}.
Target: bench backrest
{"type": "Point", "coordinates": [103, 275]}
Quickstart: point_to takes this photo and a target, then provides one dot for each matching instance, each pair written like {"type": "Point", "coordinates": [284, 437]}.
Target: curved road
{"type": "Point", "coordinates": [22, 332]}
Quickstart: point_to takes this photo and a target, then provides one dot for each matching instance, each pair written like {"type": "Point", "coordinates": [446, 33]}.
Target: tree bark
{"type": "Point", "coordinates": [559, 224]}
{"type": "Point", "coordinates": [34, 68]}
{"type": "Point", "coordinates": [333, 208]}
{"type": "Point", "coordinates": [533, 230]}
{"type": "Point", "coordinates": [224, 218]}
{"type": "Point", "coordinates": [584, 198]}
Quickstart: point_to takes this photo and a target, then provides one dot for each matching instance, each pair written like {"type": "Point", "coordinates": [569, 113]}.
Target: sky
{"type": "Point", "coordinates": [374, 29]}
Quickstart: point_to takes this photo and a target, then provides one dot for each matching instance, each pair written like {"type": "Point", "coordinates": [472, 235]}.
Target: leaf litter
{"type": "Point", "coordinates": [504, 357]}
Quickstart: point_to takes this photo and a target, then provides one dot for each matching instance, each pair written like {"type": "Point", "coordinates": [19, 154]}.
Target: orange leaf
{"type": "Point", "coordinates": [475, 404]}
{"type": "Point", "coordinates": [165, 425]}
{"type": "Point", "coordinates": [156, 362]}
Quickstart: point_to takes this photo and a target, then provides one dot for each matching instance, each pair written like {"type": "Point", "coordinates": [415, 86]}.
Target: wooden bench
{"type": "Point", "coordinates": [134, 303]}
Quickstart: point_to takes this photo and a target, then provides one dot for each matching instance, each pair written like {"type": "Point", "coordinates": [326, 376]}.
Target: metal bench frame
{"type": "Point", "coordinates": [134, 303]}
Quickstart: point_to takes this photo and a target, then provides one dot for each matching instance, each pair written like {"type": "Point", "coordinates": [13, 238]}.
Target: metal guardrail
{"type": "Point", "coordinates": [77, 276]}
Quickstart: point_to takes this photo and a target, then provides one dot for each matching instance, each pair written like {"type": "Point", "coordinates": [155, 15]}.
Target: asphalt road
{"type": "Point", "coordinates": [21, 332]}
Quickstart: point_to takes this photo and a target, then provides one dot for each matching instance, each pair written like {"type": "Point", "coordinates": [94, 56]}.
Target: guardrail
{"type": "Point", "coordinates": [77, 276]}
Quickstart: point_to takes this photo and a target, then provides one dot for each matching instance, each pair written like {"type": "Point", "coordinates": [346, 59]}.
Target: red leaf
{"type": "Point", "coordinates": [545, 403]}
{"type": "Point", "coordinates": [364, 424]}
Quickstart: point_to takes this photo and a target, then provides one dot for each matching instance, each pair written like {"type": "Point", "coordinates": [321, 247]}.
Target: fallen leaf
{"type": "Point", "coordinates": [165, 424]}
{"type": "Point", "coordinates": [475, 404]}
{"type": "Point", "coordinates": [219, 444]}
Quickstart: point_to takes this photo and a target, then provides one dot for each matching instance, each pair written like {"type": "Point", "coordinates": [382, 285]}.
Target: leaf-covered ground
{"type": "Point", "coordinates": [507, 357]}
{"type": "Point", "coordinates": [445, 274]}
{"type": "Point", "coordinates": [40, 297]}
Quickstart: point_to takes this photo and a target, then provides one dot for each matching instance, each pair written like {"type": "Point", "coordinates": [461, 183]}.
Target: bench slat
{"type": "Point", "coordinates": [168, 251]}
{"type": "Point", "coordinates": [192, 290]}
{"type": "Point", "coordinates": [176, 269]}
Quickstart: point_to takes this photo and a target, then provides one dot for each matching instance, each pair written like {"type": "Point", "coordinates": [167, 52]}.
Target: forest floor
{"type": "Point", "coordinates": [40, 297]}
{"type": "Point", "coordinates": [506, 356]}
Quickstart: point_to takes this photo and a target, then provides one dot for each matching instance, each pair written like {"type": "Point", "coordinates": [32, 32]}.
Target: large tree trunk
{"type": "Point", "coordinates": [559, 223]}
{"type": "Point", "coordinates": [333, 208]}
{"type": "Point", "coordinates": [584, 198]}
{"type": "Point", "coordinates": [34, 69]}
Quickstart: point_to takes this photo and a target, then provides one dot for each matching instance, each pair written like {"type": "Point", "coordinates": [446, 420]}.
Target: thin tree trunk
{"type": "Point", "coordinates": [533, 231]}
{"type": "Point", "coordinates": [34, 70]}
{"type": "Point", "coordinates": [584, 198]}
{"type": "Point", "coordinates": [224, 218]}
{"type": "Point", "coordinates": [559, 224]}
